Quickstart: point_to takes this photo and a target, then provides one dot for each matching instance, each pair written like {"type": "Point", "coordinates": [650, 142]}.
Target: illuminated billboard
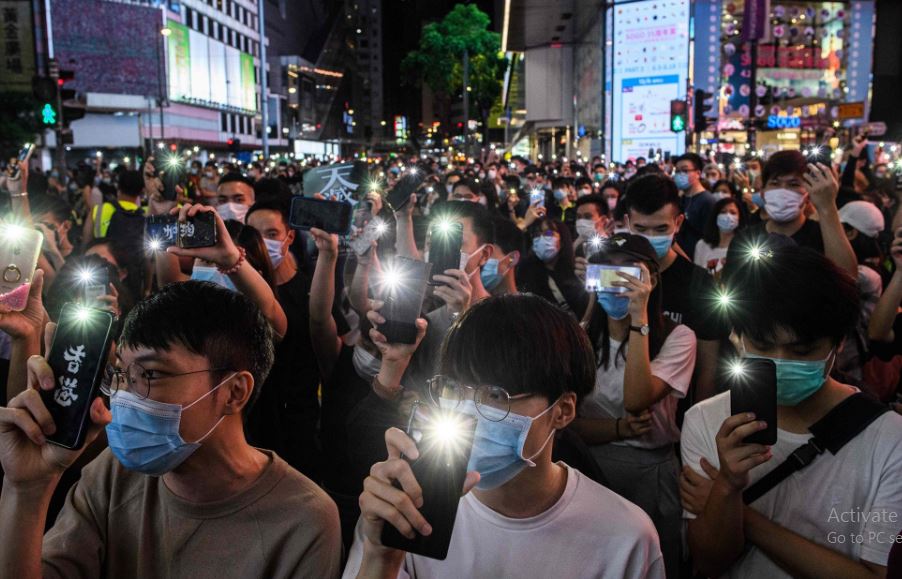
{"type": "Point", "coordinates": [650, 68]}
{"type": "Point", "coordinates": [205, 71]}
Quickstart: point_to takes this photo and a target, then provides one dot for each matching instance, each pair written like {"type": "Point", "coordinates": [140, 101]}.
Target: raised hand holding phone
{"type": "Point", "coordinates": [28, 459]}
{"type": "Point", "coordinates": [224, 253]}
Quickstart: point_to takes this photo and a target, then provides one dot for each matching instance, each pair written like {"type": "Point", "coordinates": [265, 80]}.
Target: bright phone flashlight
{"type": "Point", "coordinates": [444, 225]}
{"type": "Point", "coordinates": [381, 226]}
{"type": "Point", "coordinates": [12, 232]}
{"type": "Point", "coordinates": [724, 299]}
{"type": "Point", "coordinates": [154, 245]}
{"type": "Point", "coordinates": [737, 369]}
{"type": "Point", "coordinates": [82, 314]}
{"type": "Point", "coordinates": [86, 275]}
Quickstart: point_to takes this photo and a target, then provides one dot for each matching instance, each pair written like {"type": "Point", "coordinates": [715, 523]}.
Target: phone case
{"type": "Point", "coordinates": [198, 231]}
{"type": "Point", "coordinates": [755, 390]}
{"type": "Point", "coordinates": [330, 216]}
{"type": "Point", "coordinates": [162, 230]}
{"type": "Point", "coordinates": [405, 301]}
{"type": "Point", "coordinates": [600, 277]}
{"type": "Point", "coordinates": [20, 249]}
{"type": "Point", "coordinates": [441, 471]}
{"type": "Point", "coordinates": [444, 251]}
{"type": "Point", "coordinates": [78, 358]}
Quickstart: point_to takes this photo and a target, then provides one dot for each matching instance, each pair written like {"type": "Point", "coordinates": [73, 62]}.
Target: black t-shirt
{"type": "Point", "coordinates": [688, 298]}
{"type": "Point", "coordinates": [809, 235]}
{"type": "Point", "coordinates": [342, 392]}
{"type": "Point", "coordinates": [285, 416]}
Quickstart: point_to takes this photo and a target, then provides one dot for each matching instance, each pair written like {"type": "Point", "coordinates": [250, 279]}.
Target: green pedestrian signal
{"type": "Point", "coordinates": [48, 114]}
{"type": "Point", "coordinates": [678, 116]}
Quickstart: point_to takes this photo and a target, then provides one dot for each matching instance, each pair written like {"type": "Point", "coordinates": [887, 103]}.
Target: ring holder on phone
{"type": "Point", "coordinates": [14, 269]}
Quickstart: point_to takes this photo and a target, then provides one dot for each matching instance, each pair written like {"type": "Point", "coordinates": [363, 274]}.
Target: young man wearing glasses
{"type": "Point", "coordinates": [179, 492]}
{"type": "Point", "coordinates": [519, 366]}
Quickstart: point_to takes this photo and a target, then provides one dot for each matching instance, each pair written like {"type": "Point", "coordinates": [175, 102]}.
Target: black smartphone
{"type": "Point", "coordinates": [444, 440]}
{"type": "Point", "coordinates": [170, 168]}
{"type": "Point", "coordinates": [95, 284]}
{"type": "Point", "coordinates": [77, 357]}
{"type": "Point", "coordinates": [400, 194]}
{"type": "Point", "coordinates": [161, 231]}
{"type": "Point", "coordinates": [445, 239]}
{"type": "Point", "coordinates": [330, 216]}
{"type": "Point", "coordinates": [753, 388]}
{"type": "Point", "coordinates": [819, 154]}
{"type": "Point", "coordinates": [405, 291]}
{"type": "Point", "coordinates": [198, 231]}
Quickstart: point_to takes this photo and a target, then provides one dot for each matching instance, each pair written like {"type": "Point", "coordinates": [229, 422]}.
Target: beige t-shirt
{"type": "Point", "coordinates": [119, 523]}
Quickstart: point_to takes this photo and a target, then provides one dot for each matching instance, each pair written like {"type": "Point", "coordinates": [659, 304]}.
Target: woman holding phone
{"type": "Point", "coordinates": [644, 366]}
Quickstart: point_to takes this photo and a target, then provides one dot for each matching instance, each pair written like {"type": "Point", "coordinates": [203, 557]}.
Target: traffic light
{"type": "Point", "coordinates": [702, 107]}
{"type": "Point", "coordinates": [234, 145]}
{"type": "Point", "coordinates": [74, 102]}
{"type": "Point", "coordinates": [678, 116]}
{"type": "Point", "coordinates": [44, 89]}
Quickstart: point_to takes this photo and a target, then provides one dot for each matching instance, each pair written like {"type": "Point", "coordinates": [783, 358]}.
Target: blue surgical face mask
{"type": "Point", "coordinates": [560, 195]}
{"type": "Point", "coordinates": [546, 248]}
{"type": "Point", "coordinates": [798, 380]}
{"type": "Point", "coordinates": [144, 434]}
{"type": "Point", "coordinates": [660, 243]}
{"type": "Point", "coordinates": [212, 275]}
{"type": "Point", "coordinates": [497, 453]}
{"type": "Point", "coordinates": [274, 249]}
{"type": "Point", "coordinates": [682, 181]}
{"type": "Point", "coordinates": [489, 274]}
{"type": "Point", "coordinates": [614, 305]}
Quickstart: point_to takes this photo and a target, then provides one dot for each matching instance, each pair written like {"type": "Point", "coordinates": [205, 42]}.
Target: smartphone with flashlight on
{"type": "Point", "coordinates": [20, 248]}
{"type": "Point", "coordinates": [330, 216]}
{"type": "Point", "coordinates": [600, 278]}
{"type": "Point", "coordinates": [400, 194]}
{"type": "Point", "coordinates": [537, 198]}
{"type": "Point", "coordinates": [404, 287]}
{"type": "Point", "coordinates": [77, 357]}
{"type": "Point", "coordinates": [170, 169]}
{"type": "Point", "coordinates": [95, 284]}
{"type": "Point", "coordinates": [161, 231]}
{"type": "Point", "coordinates": [753, 388]}
{"type": "Point", "coordinates": [24, 155]}
{"type": "Point", "coordinates": [444, 440]}
{"type": "Point", "coordinates": [445, 240]}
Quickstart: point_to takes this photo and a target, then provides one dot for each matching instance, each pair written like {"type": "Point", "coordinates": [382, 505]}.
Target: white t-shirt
{"type": "Point", "coordinates": [673, 364]}
{"type": "Point", "coordinates": [589, 532]}
{"type": "Point", "coordinates": [864, 479]}
{"type": "Point", "coordinates": [704, 254]}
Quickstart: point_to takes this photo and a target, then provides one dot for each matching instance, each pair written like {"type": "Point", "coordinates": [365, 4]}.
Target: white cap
{"type": "Point", "coordinates": [863, 216]}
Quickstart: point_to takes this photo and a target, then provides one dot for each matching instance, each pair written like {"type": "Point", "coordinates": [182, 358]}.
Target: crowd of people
{"type": "Point", "coordinates": [254, 418]}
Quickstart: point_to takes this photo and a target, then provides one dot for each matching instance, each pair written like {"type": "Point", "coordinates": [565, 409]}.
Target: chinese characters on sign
{"type": "Point", "coordinates": [74, 356]}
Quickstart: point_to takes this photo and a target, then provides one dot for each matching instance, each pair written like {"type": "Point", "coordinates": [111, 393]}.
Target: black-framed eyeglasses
{"type": "Point", "coordinates": [492, 402]}
{"type": "Point", "coordinates": [136, 379]}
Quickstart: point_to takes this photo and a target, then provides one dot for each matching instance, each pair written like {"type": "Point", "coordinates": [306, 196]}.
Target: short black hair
{"type": "Point", "coordinates": [789, 287]}
{"type": "Point", "coordinates": [280, 206]}
{"type": "Point", "coordinates": [52, 205]}
{"type": "Point", "coordinates": [693, 158]}
{"type": "Point", "coordinates": [559, 182]}
{"type": "Point", "coordinates": [131, 182]}
{"type": "Point", "coordinates": [479, 216]}
{"type": "Point", "coordinates": [270, 188]}
{"type": "Point", "coordinates": [522, 343]}
{"type": "Point", "coordinates": [234, 176]}
{"type": "Point", "coordinates": [783, 163]}
{"type": "Point", "coordinates": [468, 183]}
{"type": "Point", "coordinates": [580, 182]}
{"type": "Point", "coordinates": [649, 193]}
{"type": "Point", "coordinates": [594, 198]}
{"type": "Point", "coordinates": [508, 236]}
{"type": "Point", "coordinates": [221, 325]}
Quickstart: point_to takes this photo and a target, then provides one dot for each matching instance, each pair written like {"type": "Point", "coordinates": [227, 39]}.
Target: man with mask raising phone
{"type": "Point", "coordinates": [790, 183]}
{"type": "Point", "coordinates": [522, 514]}
{"type": "Point", "coordinates": [179, 492]}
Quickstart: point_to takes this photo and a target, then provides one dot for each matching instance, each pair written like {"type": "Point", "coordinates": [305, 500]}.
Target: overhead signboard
{"type": "Point", "coordinates": [650, 69]}
{"type": "Point", "coordinates": [851, 111]}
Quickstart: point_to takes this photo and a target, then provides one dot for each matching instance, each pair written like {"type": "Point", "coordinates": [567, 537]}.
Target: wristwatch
{"type": "Point", "coordinates": [643, 329]}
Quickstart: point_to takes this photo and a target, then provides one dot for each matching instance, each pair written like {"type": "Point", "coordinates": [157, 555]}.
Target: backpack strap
{"type": "Point", "coordinates": [843, 423]}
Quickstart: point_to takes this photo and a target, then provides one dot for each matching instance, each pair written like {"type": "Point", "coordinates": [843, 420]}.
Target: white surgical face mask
{"type": "Point", "coordinates": [727, 221]}
{"type": "Point", "coordinates": [236, 211]}
{"type": "Point", "coordinates": [585, 228]}
{"type": "Point", "coordinates": [365, 364]}
{"type": "Point", "coordinates": [783, 205]}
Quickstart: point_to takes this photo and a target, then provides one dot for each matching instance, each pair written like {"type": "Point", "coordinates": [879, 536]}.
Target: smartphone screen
{"type": "Point", "coordinates": [25, 151]}
{"type": "Point", "coordinates": [198, 231]}
{"type": "Point", "coordinates": [444, 440]}
{"type": "Point", "coordinates": [170, 168]}
{"type": "Point", "coordinates": [161, 231]}
{"type": "Point", "coordinates": [330, 216]}
{"type": "Point", "coordinates": [537, 198]}
{"type": "Point", "coordinates": [405, 292]}
{"type": "Point", "coordinates": [445, 239]}
{"type": "Point", "coordinates": [20, 248]}
{"type": "Point", "coordinates": [600, 277]}
{"type": "Point", "coordinates": [77, 357]}
{"type": "Point", "coordinates": [753, 388]}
